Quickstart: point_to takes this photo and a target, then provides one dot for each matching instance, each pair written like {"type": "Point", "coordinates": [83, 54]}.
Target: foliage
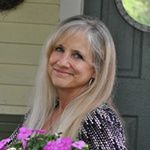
{"type": "Point", "coordinates": [9, 4]}
{"type": "Point", "coordinates": [139, 10]}
{"type": "Point", "coordinates": [29, 139]}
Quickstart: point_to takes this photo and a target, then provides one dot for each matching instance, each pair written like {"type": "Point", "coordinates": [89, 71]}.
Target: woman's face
{"type": "Point", "coordinates": [70, 62]}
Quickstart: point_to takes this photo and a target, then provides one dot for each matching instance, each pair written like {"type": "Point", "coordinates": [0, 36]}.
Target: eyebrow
{"type": "Point", "coordinates": [59, 45]}
{"type": "Point", "coordinates": [77, 51]}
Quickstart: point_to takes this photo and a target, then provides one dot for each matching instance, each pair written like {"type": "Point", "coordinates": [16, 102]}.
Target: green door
{"type": "Point", "coordinates": [8, 124]}
{"type": "Point", "coordinates": [133, 76]}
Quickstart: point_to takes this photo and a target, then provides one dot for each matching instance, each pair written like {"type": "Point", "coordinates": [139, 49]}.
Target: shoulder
{"type": "Point", "coordinates": [102, 129]}
{"type": "Point", "coordinates": [102, 116]}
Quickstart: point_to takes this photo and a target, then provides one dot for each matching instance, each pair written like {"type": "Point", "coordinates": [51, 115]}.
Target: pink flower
{"type": "Point", "coordinates": [64, 143]}
{"type": "Point", "coordinates": [3, 143]}
{"type": "Point", "coordinates": [59, 144]}
{"type": "Point", "coordinates": [23, 135]}
{"type": "Point", "coordinates": [40, 131]}
{"type": "Point", "coordinates": [79, 144]}
{"type": "Point", "coordinates": [50, 146]}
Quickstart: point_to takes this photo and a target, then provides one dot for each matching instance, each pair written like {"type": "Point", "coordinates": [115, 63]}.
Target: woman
{"type": "Point", "coordinates": [74, 85]}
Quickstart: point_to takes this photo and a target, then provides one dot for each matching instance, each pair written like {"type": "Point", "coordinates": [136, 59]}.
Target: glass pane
{"type": "Point", "coordinates": [139, 10]}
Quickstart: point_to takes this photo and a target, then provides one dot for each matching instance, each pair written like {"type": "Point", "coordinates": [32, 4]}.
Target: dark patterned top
{"type": "Point", "coordinates": [102, 130]}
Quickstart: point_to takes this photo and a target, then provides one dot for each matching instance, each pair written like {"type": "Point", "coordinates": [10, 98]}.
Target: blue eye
{"type": "Point", "coordinates": [77, 55]}
{"type": "Point", "coordinates": [59, 49]}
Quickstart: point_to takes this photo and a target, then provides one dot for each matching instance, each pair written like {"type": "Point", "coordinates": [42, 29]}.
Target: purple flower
{"type": "Point", "coordinates": [59, 144]}
{"type": "Point", "coordinates": [79, 144]}
{"type": "Point", "coordinates": [3, 143]}
{"type": "Point", "coordinates": [51, 145]}
{"type": "Point", "coordinates": [23, 135]}
{"type": "Point", "coordinates": [40, 131]}
{"type": "Point", "coordinates": [64, 143]}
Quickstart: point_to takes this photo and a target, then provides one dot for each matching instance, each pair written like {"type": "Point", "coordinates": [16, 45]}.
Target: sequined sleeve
{"type": "Point", "coordinates": [103, 130]}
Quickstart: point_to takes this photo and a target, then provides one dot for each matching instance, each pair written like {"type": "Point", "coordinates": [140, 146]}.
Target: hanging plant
{"type": "Point", "coordinates": [9, 4]}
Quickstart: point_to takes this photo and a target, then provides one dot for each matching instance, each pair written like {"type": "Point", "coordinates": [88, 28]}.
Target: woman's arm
{"type": "Point", "coordinates": [103, 130]}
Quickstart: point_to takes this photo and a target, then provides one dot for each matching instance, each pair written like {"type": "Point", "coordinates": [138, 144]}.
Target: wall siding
{"type": "Point", "coordinates": [22, 32]}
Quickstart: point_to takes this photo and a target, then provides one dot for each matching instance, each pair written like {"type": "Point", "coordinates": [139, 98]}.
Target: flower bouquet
{"type": "Point", "coordinates": [29, 139]}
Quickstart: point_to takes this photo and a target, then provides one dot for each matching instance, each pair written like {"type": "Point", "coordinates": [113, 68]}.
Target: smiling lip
{"type": "Point", "coordinates": [60, 72]}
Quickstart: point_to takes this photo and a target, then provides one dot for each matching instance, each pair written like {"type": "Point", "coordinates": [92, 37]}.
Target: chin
{"type": "Point", "coordinates": [59, 84]}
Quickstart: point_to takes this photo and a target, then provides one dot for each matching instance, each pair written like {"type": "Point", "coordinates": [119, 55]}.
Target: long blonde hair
{"type": "Point", "coordinates": [100, 91]}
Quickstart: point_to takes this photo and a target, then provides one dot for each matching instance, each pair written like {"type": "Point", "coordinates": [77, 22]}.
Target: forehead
{"type": "Point", "coordinates": [77, 38]}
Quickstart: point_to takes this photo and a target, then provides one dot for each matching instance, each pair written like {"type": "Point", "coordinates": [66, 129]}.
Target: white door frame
{"type": "Point", "coordinates": [70, 8]}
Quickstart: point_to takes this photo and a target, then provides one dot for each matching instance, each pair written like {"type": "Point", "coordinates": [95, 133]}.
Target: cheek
{"type": "Point", "coordinates": [52, 59]}
{"type": "Point", "coordinates": [89, 70]}
{"type": "Point", "coordinates": [84, 69]}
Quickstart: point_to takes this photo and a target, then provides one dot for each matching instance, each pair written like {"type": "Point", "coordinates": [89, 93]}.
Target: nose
{"type": "Point", "coordinates": [64, 61]}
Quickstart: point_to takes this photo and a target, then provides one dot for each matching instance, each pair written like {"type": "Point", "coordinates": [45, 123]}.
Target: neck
{"type": "Point", "coordinates": [67, 95]}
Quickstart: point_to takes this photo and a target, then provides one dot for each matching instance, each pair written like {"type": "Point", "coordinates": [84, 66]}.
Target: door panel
{"type": "Point", "coordinates": [133, 74]}
{"type": "Point", "coordinates": [8, 124]}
